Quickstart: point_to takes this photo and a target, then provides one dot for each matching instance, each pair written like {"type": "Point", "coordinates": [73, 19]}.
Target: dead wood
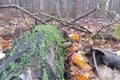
{"type": "Point", "coordinates": [66, 23]}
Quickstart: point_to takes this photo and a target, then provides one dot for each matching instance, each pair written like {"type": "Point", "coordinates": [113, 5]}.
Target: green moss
{"type": "Point", "coordinates": [116, 32]}
{"type": "Point", "coordinates": [51, 35]}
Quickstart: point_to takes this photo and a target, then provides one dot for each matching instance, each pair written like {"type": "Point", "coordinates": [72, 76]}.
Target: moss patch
{"type": "Point", "coordinates": [50, 35]}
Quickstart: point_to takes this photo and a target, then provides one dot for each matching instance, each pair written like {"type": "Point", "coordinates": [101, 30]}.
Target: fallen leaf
{"type": "Point", "coordinates": [74, 36]}
{"type": "Point", "coordinates": [75, 70]}
{"type": "Point", "coordinates": [79, 77]}
{"type": "Point", "coordinates": [7, 38]}
{"type": "Point", "coordinates": [2, 55]}
{"type": "Point", "coordinates": [78, 59]}
{"type": "Point", "coordinates": [118, 53]}
{"type": "Point", "coordinates": [4, 44]}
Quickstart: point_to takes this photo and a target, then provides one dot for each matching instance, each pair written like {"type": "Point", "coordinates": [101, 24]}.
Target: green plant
{"type": "Point", "coordinates": [116, 32]}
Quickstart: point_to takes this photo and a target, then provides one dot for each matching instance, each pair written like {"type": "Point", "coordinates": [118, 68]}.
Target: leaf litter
{"type": "Point", "coordinates": [79, 62]}
{"type": "Point", "coordinates": [80, 57]}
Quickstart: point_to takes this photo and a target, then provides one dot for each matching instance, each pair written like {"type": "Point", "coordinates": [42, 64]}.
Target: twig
{"type": "Point", "coordinates": [35, 17]}
{"type": "Point", "coordinates": [24, 10]}
{"type": "Point", "coordinates": [110, 14]}
{"type": "Point", "coordinates": [82, 16]}
{"type": "Point", "coordinates": [55, 18]}
{"type": "Point", "coordinates": [104, 27]}
{"type": "Point", "coordinates": [96, 67]}
{"type": "Point", "coordinates": [116, 21]}
{"type": "Point", "coordinates": [63, 22]}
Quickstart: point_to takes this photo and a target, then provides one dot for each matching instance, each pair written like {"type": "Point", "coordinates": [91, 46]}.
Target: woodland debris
{"type": "Point", "coordinates": [104, 57]}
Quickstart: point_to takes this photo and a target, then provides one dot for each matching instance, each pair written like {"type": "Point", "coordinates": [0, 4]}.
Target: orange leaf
{"type": "Point", "coordinates": [74, 36]}
{"type": "Point", "coordinates": [78, 59]}
{"type": "Point", "coordinates": [80, 77]}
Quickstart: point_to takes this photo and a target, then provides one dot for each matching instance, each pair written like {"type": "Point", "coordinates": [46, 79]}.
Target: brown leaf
{"type": "Point", "coordinates": [7, 38]}
{"type": "Point", "coordinates": [4, 44]}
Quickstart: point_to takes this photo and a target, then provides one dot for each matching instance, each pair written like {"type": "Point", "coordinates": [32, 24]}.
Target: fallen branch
{"type": "Point", "coordinates": [84, 15]}
{"type": "Point", "coordinates": [55, 18]}
{"type": "Point", "coordinates": [38, 19]}
{"type": "Point", "coordinates": [80, 17]}
{"type": "Point", "coordinates": [24, 10]}
{"type": "Point", "coordinates": [104, 27]}
{"type": "Point", "coordinates": [110, 14]}
{"type": "Point", "coordinates": [68, 23]}
{"type": "Point", "coordinates": [64, 22]}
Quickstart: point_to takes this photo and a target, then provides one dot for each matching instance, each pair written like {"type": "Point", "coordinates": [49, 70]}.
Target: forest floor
{"type": "Point", "coordinates": [92, 55]}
